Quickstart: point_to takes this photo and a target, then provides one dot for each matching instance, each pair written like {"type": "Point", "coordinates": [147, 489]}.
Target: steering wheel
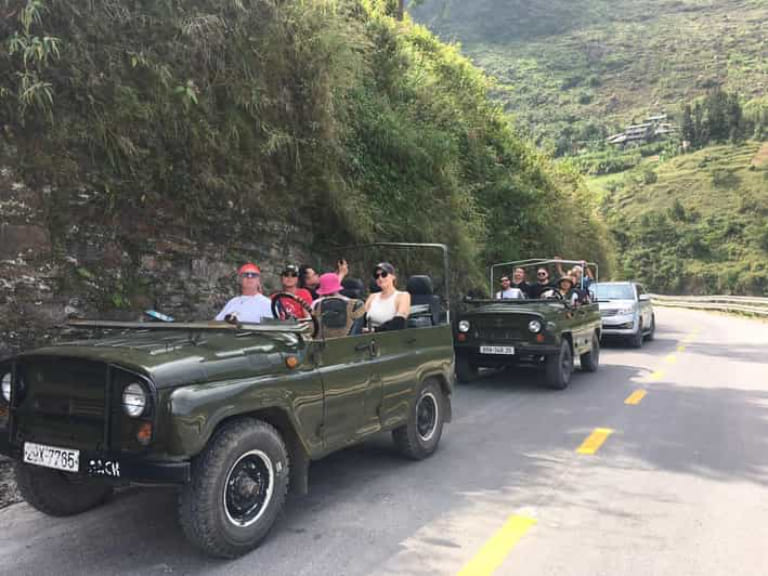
{"type": "Point", "coordinates": [280, 311]}
{"type": "Point", "coordinates": [552, 294]}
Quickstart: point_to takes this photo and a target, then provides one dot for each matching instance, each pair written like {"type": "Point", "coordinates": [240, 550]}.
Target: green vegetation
{"type": "Point", "coordinates": [200, 118]}
{"type": "Point", "coordinates": [699, 226]}
{"type": "Point", "coordinates": [574, 70]}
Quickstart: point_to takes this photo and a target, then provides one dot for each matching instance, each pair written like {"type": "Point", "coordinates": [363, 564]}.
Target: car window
{"type": "Point", "coordinates": [615, 292]}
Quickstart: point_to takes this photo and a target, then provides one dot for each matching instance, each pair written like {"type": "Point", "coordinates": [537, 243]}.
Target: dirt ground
{"type": "Point", "coordinates": [8, 492]}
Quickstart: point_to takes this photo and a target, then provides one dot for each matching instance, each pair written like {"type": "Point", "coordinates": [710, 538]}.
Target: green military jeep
{"type": "Point", "coordinates": [231, 414]}
{"type": "Point", "coordinates": [531, 325]}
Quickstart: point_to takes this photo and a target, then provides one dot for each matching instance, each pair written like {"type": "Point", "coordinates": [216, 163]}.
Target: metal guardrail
{"type": "Point", "coordinates": [750, 305]}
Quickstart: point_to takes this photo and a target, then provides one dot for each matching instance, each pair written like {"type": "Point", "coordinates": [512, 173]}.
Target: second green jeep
{"type": "Point", "coordinates": [546, 332]}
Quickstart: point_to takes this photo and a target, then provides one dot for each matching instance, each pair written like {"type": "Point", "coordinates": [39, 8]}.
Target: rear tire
{"type": "Point", "coordinates": [238, 488]}
{"type": "Point", "coordinates": [559, 367]}
{"type": "Point", "coordinates": [590, 361]}
{"type": "Point", "coordinates": [466, 371]}
{"type": "Point", "coordinates": [419, 437]}
{"type": "Point", "coordinates": [58, 493]}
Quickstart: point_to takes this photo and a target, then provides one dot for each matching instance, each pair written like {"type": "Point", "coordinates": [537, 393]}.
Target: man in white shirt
{"type": "Point", "coordinates": [252, 305]}
{"type": "Point", "coordinates": [507, 292]}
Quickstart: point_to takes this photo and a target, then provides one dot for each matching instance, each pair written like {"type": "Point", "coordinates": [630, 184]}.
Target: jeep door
{"type": "Point", "coordinates": [404, 357]}
{"type": "Point", "coordinates": [350, 386]}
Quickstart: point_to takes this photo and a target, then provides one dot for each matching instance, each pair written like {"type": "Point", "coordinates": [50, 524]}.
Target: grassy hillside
{"type": "Point", "coordinates": [697, 223]}
{"type": "Point", "coordinates": [201, 119]}
{"type": "Point", "coordinates": [572, 70]}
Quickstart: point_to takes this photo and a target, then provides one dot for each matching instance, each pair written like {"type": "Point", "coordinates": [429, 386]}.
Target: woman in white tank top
{"type": "Point", "coordinates": [388, 309]}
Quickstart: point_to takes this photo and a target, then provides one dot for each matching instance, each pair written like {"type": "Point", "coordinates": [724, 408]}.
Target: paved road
{"type": "Point", "coordinates": [679, 486]}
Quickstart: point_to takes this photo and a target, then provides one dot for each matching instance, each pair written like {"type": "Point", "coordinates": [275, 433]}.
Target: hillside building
{"type": "Point", "coordinates": [652, 128]}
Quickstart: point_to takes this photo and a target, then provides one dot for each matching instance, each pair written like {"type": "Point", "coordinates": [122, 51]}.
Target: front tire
{"type": "Point", "coordinates": [559, 367]}
{"type": "Point", "coordinates": [238, 488]}
{"type": "Point", "coordinates": [636, 340]}
{"type": "Point", "coordinates": [419, 437]}
{"type": "Point", "coordinates": [590, 361]}
{"type": "Point", "coordinates": [58, 493]}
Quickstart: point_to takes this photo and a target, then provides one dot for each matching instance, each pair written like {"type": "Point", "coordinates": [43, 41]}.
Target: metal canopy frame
{"type": "Point", "coordinates": [429, 245]}
{"type": "Point", "coordinates": [543, 262]}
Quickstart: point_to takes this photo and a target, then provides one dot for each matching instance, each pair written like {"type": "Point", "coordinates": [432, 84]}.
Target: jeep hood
{"type": "Point", "coordinates": [172, 359]}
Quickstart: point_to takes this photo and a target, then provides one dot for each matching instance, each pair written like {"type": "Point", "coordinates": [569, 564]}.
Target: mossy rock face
{"type": "Point", "coordinates": [167, 141]}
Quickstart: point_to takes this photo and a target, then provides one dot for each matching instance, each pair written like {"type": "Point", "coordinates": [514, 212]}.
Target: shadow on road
{"type": "Point", "coordinates": [511, 438]}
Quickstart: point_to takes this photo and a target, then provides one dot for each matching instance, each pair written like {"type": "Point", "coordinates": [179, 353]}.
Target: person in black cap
{"type": "Point", "coordinates": [388, 309]}
{"type": "Point", "coordinates": [289, 278]}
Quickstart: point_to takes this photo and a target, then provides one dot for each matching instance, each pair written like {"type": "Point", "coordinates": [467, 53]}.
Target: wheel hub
{"type": "Point", "coordinates": [248, 488]}
{"type": "Point", "coordinates": [426, 416]}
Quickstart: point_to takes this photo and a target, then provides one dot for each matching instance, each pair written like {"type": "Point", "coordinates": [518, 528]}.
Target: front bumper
{"type": "Point", "coordinates": [525, 354]}
{"type": "Point", "coordinates": [119, 467]}
{"type": "Point", "coordinates": [625, 325]}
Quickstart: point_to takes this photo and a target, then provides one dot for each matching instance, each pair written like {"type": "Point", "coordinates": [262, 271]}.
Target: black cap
{"type": "Point", "coordinates": [290, 268]}
{"type": "Point", "coordinates": [385, 266]}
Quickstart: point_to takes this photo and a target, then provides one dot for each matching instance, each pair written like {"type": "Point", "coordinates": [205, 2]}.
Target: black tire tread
{"type": "Point", "coordinates": [588, 362]}
{"type": "Point", "coordinates": [50, 493]}
{"type": "Point", "coordinates": [196, 515]}
{"type": "Point", "coordinates": [552, 374]}
{"type": "Point", "coordinates": [405, 437]}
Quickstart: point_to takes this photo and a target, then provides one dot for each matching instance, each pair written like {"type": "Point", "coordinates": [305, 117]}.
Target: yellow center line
{"type": "Point", "coordinates": [656, 376]}
{"type": "Point", "coordinates": [594, 441]}
{"type": "Point", "coordinates": [681, 348]}
{"type": "Point", "coordinates": [670, 359]}
{"type": "Point", "coordinates": [635, 398]}
{"type": "Point", "coordinates": [493, 553]}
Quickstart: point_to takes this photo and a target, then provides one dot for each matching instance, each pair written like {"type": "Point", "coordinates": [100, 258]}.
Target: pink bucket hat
{"type": "Point", "coordinates": [329, 284]}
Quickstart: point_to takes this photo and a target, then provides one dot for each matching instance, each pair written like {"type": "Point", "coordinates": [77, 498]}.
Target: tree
{"type": "Point", "coordinates": [687, 126]}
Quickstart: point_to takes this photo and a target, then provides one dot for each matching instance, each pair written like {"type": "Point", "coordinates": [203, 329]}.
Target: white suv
{"type": "Point", "coordinates": [626, 311]}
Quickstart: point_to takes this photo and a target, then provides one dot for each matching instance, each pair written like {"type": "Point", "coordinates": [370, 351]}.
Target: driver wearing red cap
{"type": "Point", "coordinates": [251, 306]}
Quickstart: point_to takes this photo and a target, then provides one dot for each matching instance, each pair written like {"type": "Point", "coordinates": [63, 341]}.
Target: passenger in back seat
{"type": "Point", "coordinates": [388, 309]}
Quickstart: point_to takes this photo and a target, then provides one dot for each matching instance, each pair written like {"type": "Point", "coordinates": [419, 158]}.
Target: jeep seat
{"type": "Point", "coordinates": [423, 297]}
{"type": "Point", "coordinates": [340, 317]}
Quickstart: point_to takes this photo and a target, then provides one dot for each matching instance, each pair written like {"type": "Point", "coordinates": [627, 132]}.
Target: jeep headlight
{"type": "Point", "coordinates": [464, 326]}
{"type": "Point", "coordinates": [534, 326]}
{"type": "Point", "coordinates": [134, 400]}
{"type": "Point", "coordinates": [6, 387]}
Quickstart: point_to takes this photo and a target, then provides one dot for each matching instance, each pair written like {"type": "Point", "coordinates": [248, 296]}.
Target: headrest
{"type": "Point", "coordinates": [353, 286]}
{"type": "Point", "coordinates": [420, 285]}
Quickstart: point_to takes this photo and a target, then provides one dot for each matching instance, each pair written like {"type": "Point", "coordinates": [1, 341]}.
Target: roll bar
{"type": "Point", "coordinates": [542, 262]}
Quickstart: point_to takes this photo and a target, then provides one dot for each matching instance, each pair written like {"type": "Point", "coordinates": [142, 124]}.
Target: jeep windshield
{"type": "Point", "coordinates": [614, 292]}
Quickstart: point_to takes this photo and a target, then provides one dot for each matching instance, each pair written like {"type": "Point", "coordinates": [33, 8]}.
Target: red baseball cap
{"type": "Point", "coordinates": [249, 267]}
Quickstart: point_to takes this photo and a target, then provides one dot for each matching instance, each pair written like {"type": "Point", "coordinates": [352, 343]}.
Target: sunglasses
{"type": "Point", "coordinates": [249, 275]}
{"type": "Point", "coordinates": [542, 274]}
{"type": "Point", "coordinates": [290, 274]}
{"type": "Point", "coordinates": [378, 275]}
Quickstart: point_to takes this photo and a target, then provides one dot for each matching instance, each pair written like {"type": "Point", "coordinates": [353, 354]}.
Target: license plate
{"type": "Point", "coordinates": [508, 350]}
{"type": "Point", "coordinates": [64, 459]}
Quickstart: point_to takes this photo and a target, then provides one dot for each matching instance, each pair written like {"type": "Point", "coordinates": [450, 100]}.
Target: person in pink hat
{"type": "Point", "coordinates": [335, 323]}
{"type": "Point", "coordinates": [329, 287]}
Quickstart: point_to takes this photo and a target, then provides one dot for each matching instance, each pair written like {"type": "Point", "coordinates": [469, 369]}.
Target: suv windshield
{"type": "Point", "coordinates": [615, 292]}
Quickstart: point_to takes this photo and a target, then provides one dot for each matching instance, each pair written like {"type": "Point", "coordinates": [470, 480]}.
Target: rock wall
{"type": "Point", "coordinates": [59, 256]}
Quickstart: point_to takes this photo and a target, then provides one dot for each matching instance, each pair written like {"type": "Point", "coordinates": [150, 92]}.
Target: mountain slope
{"type": "Point", "coordinates": [586, 66]}
{"type": "Point", "coordinates": [697, 223]}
